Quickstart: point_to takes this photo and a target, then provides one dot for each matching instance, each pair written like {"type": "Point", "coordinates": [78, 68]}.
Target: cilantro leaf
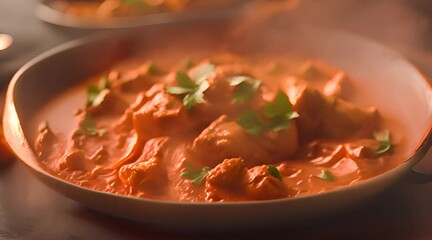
{"type": "Point", "coordinates": [177, 90]}
{"type": "Point", "coordinates": [282, 122]}
{"type": "Point", "coordinates": [152, 69]}
{"type": "Point", "coordinates": [280, 112]}
{"type": "Point", "coordinates": [245, 88]}
{"type": "Point", "coordinates": [326, 176]}
{"type": "Point", "coordinates": [194, 174]}
{"type": "Point", "coordinates": [135, 3]}
{"type": "Point", "coordinates": [95, 94]}
{"type": "Point", "coordinates": [202, 73]}
{"type": "Point", "coordinates": [185, 81]}
{"type": "Point", "coordinates": [92, 93]}
{"type": "Point", "coordinates": [274, 172]}
{"type": "Point", "coordinates": [280, 106]}
{"type": "Point", "coordinates": [251, 122]}
{"type": "Point", "coordinates": [88, 127]}
{"type": "Point", "coordinates": [192, 87]}
{"type": "Point", "coordinates": [384, 140]}
{"type": "Point", "coordinates": [195, 97]}
{"type": "Point", "coordinates": [187, 64]}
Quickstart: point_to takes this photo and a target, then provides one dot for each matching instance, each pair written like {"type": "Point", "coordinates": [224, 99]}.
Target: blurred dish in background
{"type": "Point", "coordinates": [130, 13]}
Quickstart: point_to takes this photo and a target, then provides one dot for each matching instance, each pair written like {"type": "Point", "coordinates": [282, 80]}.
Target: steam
{"type": "Point", "coordinates": [398, 24]}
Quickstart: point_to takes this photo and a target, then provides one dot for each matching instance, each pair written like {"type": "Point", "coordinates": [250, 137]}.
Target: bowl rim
{"type": "Point", "coordinates": [46, 13]}
{"type": "Point", "coordinates": [420, 151]}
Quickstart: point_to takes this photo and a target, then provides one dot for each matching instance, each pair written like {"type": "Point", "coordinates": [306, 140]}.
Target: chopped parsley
{"type": "Point", "coordinates": [326, 176]}
{"type": "Point", "coordinates": [384, 141]}
{"type": "Point", "coordinates": [192, 87]}
{"type": "Point", "coordinates": [95, 94]}
{"type": "Point", "coordinates": [274, 172]}
{"type": "Point", "coordinates": [88, 127]}
{"type": "Point", "coordinates": [152, 69]}
{"type": "Point", "coordinates": [245, 88]}
{"type": "Point", "coordinates": [251, 122]}
{"type": "Point", "coordinates": [280, 112]}
{"type": "Point", "coordinates": [187, 64]}
{"type": "Point", "coordinates": [141, 4]}
{"type": "Point", "coordinates": [194, 174]}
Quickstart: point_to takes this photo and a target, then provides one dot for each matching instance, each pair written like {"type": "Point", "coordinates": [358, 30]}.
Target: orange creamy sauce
{"type": "Point", "coordinates": [106, 9]}
{"type": "Point", "coordinates": [149, 138]}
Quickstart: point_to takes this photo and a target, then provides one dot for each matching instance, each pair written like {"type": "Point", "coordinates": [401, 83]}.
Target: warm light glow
{"type": "Point", "coordinates": [5, 41]}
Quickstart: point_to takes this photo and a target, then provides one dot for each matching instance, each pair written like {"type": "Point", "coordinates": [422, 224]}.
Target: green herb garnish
{"type": "Point", "coordinates": [187, 64]}
{"type": "Point", "coordinates": [95, 94]}
{"type": "Point", "coordinates": [326, 176]}
{"type": "Point", "coordinates": [251, 122]}
{"type": "Point", "coordinates": [193, 87]}
{"type": "Point", "coordinates": [78, 111]}
{"type": "Point", "coordinates": [88, 127]}
{"type": "Point", "coordinates": [274, 172]}
{"type": "Point", "coordinates": [245, 88]}
{"type": "Point", "coordinates": [152, 69]}
{"type": "Point", "coordinates": [194, 174]}
{"type": "Point", "coordinates": [135, 3]}
{"type": "Point", "coordinates": [384, 140]}
{"type": "Point", "coordinates": [280, 111]}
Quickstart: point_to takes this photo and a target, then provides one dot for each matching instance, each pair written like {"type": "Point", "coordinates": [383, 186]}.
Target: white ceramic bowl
{"type": "Point", "coordinates": [390, 81]}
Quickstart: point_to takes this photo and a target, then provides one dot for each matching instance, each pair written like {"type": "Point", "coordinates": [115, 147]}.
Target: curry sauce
{"type": "Point", "coordinates": [226, 128]}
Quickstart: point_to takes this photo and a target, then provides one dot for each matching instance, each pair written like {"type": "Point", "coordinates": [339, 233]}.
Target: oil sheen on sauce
{"type": "Point", "coordinates": [232, 136]}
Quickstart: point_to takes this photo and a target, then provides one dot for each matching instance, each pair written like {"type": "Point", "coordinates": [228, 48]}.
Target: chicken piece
{"type": "Point", "coordinates": [332, 118]}
{"type": "Point", "coordinates": [154, 147]}
{"type": "Point", "coordinates": [148, 172]}
{"type": "Point", "coordinates": [141, 152]}
{"type": "Point", "coordinates": [148, 176]}
{"type": "Point", "coordinates": [224, 139]}
{"type": "Point", "coordinates": [344, 119]}
{"type": "Point", "coordinates": [339, 152]}
{"type": "Point", "coordinates": [75, 160]}
{"type": "Point", "coordinates": [162, 115]}
{"type": "Point", "coordinates": [108, 102]}
{"type": "Point", "coordinates": [226, 179]}
{"type": "Point", "coordinates": [219, 95]}
{"type": "Point", "coordinates": [218, 98]}
{"type": "Point", "coordinates": [230, 173]}
{"type": "Point", "coordinates": [45, 138]}
{"type": "Point", "coordinates": [334, 87]}
{"type": "Point", "coordinates": [311, 105]}
{"type": "Point", "coordinates": [363, 148]}
{"type": "Point", "coordinates": [263, 186]}
{"type": "Point", "coordinates": [125, 124]}
{"type": "Point", "coordinates": [100, 156]}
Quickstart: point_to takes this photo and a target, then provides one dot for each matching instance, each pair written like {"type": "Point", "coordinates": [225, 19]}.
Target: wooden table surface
{"type": "Point", "coordinates": [30, 210]}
